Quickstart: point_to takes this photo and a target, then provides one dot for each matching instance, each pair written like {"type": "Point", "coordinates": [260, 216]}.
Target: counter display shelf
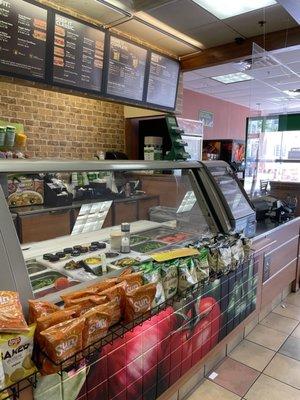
{"type": "Point", "coordinates": [146, 355]}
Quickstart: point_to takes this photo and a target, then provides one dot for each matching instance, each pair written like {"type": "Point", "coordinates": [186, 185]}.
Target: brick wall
{"type": "Point", "coordinates": [62, 125]}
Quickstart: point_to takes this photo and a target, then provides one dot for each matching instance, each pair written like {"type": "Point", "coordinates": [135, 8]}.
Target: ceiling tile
{"type": "Point", "coordinates": [92, 9]}
{"type": "Point", "coordinates": [247, 24]}
{"type": "Point", "coordinates": [182, 15]}
{"type": "Point", "coordinates": [151, 35]}
{"type": "Point", "coordinates": [213, 34]}
{"type": "Point", "coordinates": [289, 55]}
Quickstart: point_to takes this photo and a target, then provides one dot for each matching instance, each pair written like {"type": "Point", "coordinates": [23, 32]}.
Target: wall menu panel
{"type": "Point", "coordinates": [163, 81]}
{"type": "Point", "coordinates": [23, 34]}
{"type": "Point", "coordinates": [78, 54]}
{"type": "Point", "coordinates": [126, 69]}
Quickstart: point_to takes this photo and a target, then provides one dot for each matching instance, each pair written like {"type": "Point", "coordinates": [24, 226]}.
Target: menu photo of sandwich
{"type": "Point", "coordinates": [99, 54]}
{"type": "Point", "coordinates": [58, 61]}
{"type": "Point", "coordinates": [99, 45]}
{"type": "Point", "coordinates": [58, 51]}
{"type": "Point", "coordinates": [60, 31]}
{"type": "Point", "coordinates": [40, 24]}
{"type": "Point", "coordinates": [39, 35]}
{"type": "Point", "coordinates": [59, 41]}
{"type": "Point", "coordinates": [98, 64]}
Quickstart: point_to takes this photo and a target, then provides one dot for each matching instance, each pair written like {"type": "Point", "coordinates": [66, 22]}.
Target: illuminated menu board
{"type": "Point", "coordinates": [163, 81]}
{"type": "Point", "coordinates": [23, 34]}
{"type": "Point", "coordinates": [78, 54]}
{"type": "Point", "coordinates": [126, 69]}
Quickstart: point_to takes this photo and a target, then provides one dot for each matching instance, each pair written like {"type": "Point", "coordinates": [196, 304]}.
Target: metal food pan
{"type": "Point", "coordinates": [45, 275]}
{"type": "Point", "coordinates": [139, 247]}
{"type": "Point", "coordinates": [155, 233]}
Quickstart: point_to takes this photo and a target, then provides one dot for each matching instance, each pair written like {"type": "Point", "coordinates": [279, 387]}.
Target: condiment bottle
{"type": "Point", "coordinates": [125, 241]}
{"type": "Point", "coordinates": [115, 240]}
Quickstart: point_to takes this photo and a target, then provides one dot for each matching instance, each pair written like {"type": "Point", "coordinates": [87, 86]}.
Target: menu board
{"type": "Point", "coordinates": [78, 54]}
{"type": "Point", "coordinates": [23, 34]}
{"type": "Point", "coordinates": [163, 81]}
{"type": "Point", "coordinates": [126, 69]}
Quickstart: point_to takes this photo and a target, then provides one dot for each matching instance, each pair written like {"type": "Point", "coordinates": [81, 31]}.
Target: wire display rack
{"type": "Point", "coordinates": [89, 354]}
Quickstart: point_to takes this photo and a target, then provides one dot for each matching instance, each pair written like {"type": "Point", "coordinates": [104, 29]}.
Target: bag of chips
{"type": "Point", "coordinates": [16, 351]}
{"type": "Point", "coordinates": [133, 281]}
{"type": "Point", "coordinates": [11, 313]}
{"type": "Point", "coordinates": [39, 308]}
{"type": "Point", "coordinates": [86, 303]}
{"type": "Point", "coordinates": [89, 290]}
{"type": "Point", "coordinates": [97, 322]}
{"type": "Point", "coordinates": [151, 274]}
{"type": "Point", "coordinates": [116, 297]}
{"type": "Point", "coordinates": [55, 318]}
{"type": "Point", "coordinates": [63, 340]}
{"type": "Point", "coordinates": [202, 266]}
{"type": "Point", "coordinates": [224, 258]}
{"type": "Point", "coordinates": [139, 301]}
{"type": "Point", "coordinates": [187, 276]}
{"type": "Point", "coordinates": [169, 276]}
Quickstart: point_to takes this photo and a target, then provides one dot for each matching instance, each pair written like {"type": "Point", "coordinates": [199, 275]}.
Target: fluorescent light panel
{"type": "Point", "coordinates": [168, 29]}
{"type": "Point", "coordinates": [228, 8]}
{"type": "Point", "coordinates": [232, 78]}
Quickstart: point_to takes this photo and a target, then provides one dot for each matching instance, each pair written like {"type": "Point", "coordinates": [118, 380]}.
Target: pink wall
{"type": "Point", "coordinates": [229, 118]}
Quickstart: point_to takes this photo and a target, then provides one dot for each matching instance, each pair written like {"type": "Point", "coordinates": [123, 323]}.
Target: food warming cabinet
{"type": "Point", "coordinates": [232, 195]}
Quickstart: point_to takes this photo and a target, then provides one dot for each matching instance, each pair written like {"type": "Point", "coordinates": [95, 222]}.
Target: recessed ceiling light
{"type": "Point", "coordinates": [224, 9]}
{"type": "Point", "coordinates": [232, 78]}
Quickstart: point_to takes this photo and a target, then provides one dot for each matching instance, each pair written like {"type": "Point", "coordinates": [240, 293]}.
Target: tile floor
{"type": "Point", "coordinates": [265, 365]}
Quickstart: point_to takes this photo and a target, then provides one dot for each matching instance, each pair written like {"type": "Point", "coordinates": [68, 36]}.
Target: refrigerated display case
{"type": "Point", "coordinates": [232, 195]}
{"type": "Point", "coordinates": [188, 213]}
{"type": "Point", "coordinates": [36, 269]}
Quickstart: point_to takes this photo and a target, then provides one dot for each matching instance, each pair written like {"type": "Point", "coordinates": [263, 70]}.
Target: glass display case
{"type": "Point", "coordinates": [239, 208]}
{"type": "Point", "coordinates": [163, 202]}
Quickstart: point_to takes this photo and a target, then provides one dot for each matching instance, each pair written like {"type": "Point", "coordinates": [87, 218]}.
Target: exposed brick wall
{"type": "Point", "coordinates": [62, 125]}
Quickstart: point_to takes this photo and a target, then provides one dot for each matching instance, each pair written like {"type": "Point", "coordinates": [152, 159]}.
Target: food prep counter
{"type": "Point", "coordinates": [180, 333]}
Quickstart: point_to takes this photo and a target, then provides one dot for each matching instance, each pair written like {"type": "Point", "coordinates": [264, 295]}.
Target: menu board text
{"type": "Point", "coordinates": [126, 71]}
{"type": "Point", "coordinates": [163, 81]}
{"type": "Point", "coordinates": [78, 54]}
{"type": "Point", "coordinates": [23, 34]}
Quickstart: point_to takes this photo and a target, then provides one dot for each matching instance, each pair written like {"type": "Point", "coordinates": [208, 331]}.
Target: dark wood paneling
{"type": "Point", "coordinates": [275, 285]}
{"type": "Point", "coordinates": [170, 190]}
{"type": "Point", "coordinates": [144, 206]}
{"type": "Point", "coordinates": [34, 228]}
{"type": "Point", "coordinates": [231, 51]}
{"type": "Point", "coordinates": [125, 212]}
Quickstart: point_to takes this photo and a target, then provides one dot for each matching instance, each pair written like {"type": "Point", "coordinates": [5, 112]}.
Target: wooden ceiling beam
{"type": "Point", "coordinates": [235, 51]}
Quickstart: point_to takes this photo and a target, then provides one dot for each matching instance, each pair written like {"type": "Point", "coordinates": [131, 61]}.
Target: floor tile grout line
{"type": "Point", "coordinates": [278, 380]}
{"type": "Point", "coordinates": [295, 329]}
{"type": "Point", "coordinates": [268, 348]}
{"type": "Point", "coordinates": [273, 311]}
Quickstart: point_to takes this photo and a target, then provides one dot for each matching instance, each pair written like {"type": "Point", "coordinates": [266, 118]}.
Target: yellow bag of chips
{"type": "Point", "coordinates": [16, 351]}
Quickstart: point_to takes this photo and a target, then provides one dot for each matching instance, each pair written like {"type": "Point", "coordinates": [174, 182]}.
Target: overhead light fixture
{"type": "Point", "coordinates": [166, 29]}
{"type": "Point", "coordinates": [292, 93]}
{"type": "Point", "coordinates": [225, 9]}
{"type": "Point", "coordinates": [232, 78]}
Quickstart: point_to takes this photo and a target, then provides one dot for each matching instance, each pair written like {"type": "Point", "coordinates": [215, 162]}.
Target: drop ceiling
{"type": "Point", "coordinates": [185, 16]}
{"type": "Point", "coordinates": [265, 92]}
